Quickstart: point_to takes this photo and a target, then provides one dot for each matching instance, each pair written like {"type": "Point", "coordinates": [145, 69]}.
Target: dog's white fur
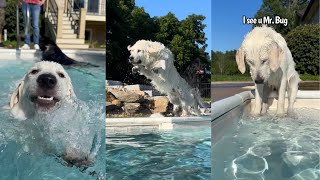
{"type": "Point", "coordinates": [271, 67]}
{"type": "Point", "coordinates": [156, 62]}
{"type": "Point", "coordinates": [20, 103]}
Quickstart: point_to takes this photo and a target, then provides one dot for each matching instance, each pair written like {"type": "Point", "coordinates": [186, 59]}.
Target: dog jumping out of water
{"type": "Point", "coordinates": [44, 88]}
{"type": "Point", "coordinates": [271, 67]}
{"type": "Point", "coordinates": [156, 62]}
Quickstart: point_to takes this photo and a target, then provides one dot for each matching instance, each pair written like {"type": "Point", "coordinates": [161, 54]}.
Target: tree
{"type": "Point", "coordinates": [10, 17]}
{"type": "Point", "coordinates": [303, 42]}
{"type": "Point", "coordinates": [218, 64]}
{"type": "Point", "coordinates": [168, 28]}
{"type": "Point", "coordinates": [118, 14]}
{"type": "Point", "coordinates": [283, 8]}
{"type": "Point", "coordinates": [127, 23]}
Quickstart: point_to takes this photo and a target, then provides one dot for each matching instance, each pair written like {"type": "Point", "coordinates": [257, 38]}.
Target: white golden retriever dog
{"type": "Point", "coordinates": [42, 88]}
{"type": "Point", "coordinates": [156, 62]}
{"type": "Point", "coordinates": [271, 67]}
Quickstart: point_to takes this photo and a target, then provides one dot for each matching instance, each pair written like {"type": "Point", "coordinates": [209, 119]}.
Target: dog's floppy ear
{"type": "Point", "coordinates": [275, 56]}
{"type": "Point", "coordinates": [240, 60]}
{"type": "Point", "coordinates": [129, 47]}
{"type": "Point", "coordinates": [15, 97]}
{"type": "Point", "coordinates": [71, 91]}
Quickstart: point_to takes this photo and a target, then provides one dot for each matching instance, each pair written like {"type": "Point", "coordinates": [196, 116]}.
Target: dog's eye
{"type": "Point", "coordinates": [61, 75]}
{"type": "Point", "coordinates": [250, 62]}
{"type": "Point", "coordinates": [263, 61]}
{"type": "Point", "coordinates": [139, 51]}
{"type": "Point", "coordinates": [34, 71]}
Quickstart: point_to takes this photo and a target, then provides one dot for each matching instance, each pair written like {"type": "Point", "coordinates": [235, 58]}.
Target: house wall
{"type": "Point", "coordinates": [98, 30]}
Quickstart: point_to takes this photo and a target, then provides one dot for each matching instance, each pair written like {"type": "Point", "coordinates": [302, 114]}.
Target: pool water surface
{"type": "Point", "coordinates": [270, 148]}
{"type": "Point", "coordinates": [181, 153]}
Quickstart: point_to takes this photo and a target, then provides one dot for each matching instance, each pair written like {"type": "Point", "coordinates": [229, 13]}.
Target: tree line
{"type": "Point", "coordinates": [128, 23]}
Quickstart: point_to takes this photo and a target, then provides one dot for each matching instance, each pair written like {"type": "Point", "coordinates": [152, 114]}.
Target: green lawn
{"type": "Point", "coordinates": [217, 78]}
{"type": "Point", "coordinates": [308, 77]}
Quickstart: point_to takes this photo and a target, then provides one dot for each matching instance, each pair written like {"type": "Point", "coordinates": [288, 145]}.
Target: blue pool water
{"type": "Point", "coordinates": [181, 153]}
{"type": "Point", "coordinates": [29, 149]}
{"type": "Point", "coordinates": [271, 148]}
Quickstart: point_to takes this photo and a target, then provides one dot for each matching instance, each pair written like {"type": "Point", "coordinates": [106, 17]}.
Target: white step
{"type": "Point", "coordinates": [70, 41]}
{"type": "Point", "coordinates": [66, 23]}
{"type": "Point", "coordinates": [66, 18]}
{"type": "Point", "coordinates": [67, 27]}
{"type": "Point", "coordinates": [68, 31]}
{"type": "Point", "coordinates": [73, 46]}
{"type": "Point", "coordinates": [69, 36]}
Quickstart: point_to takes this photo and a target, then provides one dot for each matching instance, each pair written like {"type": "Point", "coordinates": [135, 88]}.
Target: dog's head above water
{"type": "Point", "coordinates": [145, 53]}
{"type": "Point", "coordinates": [43, 87]}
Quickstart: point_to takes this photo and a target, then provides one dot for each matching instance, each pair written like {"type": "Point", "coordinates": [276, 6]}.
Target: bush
{"type": "Point", "coordinates": [303, 42]}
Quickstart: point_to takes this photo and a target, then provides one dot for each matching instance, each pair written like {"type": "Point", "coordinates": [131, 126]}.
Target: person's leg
{"type": "Point", "coordinates": [26, 23]}
{"type": "Point", "coordinates": [35, 12]}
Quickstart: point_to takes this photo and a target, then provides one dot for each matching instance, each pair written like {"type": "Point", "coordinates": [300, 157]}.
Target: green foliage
{"type": "Point", "coordinates": [303, 42]}
{"type": "Point", "coordinates": [128, 23]}
{"type": "Point", "coordinates": [283, 8]}
{"type": "Point", "coordinates": [11, 18]}
{"type": "Point", "coordinates": [308, 77]}
{"type": "Point", "coordinates": [225, 63]}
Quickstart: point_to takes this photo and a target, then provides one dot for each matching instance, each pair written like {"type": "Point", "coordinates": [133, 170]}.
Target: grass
{"type": "Point", "coordinates": [11, 44]}
{"type": "Point", "coordinates": [217, 78]}
{"type": "Point", "coordinates": [308, 77]}
{"type": "Point", "coordinates": [205, 99]}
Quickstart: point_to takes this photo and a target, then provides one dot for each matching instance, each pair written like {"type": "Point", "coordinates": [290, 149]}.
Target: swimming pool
{"type": "Point", "coordinates": [267, 147]}
{"type": "Point", "coordinates": [23, 151]}
{"type": "Point", "coordinates": [145, 152]}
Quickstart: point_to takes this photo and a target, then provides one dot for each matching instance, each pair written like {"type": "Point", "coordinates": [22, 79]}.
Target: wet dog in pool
{"type": "Point", "coordinates": [42, 88]}
{"type": "Point", "coordinates": [52, 52]}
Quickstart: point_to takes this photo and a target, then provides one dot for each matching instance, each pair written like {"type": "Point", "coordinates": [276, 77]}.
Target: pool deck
{"type": "Point", "coordinates": [92, 56]}
{"type": "Point", "coordinates": [153, 120]}
{"type": "Point", "coordinates": [221, 90]}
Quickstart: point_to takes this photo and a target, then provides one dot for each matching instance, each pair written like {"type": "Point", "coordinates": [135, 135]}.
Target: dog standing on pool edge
{"type": "Point", "coordinates": [271, 67]}
{"type": "Point", "coordinates": [156, 62]}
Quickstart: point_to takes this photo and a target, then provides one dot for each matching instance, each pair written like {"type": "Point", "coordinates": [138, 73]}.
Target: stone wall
{"type": "Point", "coordinates": [122, 102]}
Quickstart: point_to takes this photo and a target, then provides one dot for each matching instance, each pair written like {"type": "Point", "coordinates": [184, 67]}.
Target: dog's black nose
{"type": "Point", "coordinates": [47, 81]}
{"type": "Point", "coordinates": [259, 80]}
{"type": "Point", "coordinates": [130, 59]}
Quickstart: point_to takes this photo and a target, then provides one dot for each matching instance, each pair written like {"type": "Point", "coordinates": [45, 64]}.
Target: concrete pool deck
{"type": "Point", "coordinates": [221, 90]}
{"type": "Point", "coordinates": [305, 99]}
{"type": "Point", "coordinates": [93, 56]}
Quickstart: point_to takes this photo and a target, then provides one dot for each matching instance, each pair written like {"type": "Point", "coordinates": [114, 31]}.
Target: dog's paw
{"type": "Point", "coordinates": [135, 69]}
{"type": "Point", "coordinates": [255, 114]}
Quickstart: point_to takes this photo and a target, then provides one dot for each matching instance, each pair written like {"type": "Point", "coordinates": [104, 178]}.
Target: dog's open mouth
{"type": "Point", "coordinates": [44, 101]}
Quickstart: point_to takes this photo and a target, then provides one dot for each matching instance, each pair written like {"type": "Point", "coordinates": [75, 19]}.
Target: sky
{"type": "Point", "coordinates": [228, 30]}
{"type": "Point", "coordinates": [181, 9]}
{"type": "Point", "coordinates": [225, 30]}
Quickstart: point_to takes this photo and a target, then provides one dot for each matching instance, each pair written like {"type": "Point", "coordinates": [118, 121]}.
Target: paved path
{"type": "Point", "coordinates": [221, 90]}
